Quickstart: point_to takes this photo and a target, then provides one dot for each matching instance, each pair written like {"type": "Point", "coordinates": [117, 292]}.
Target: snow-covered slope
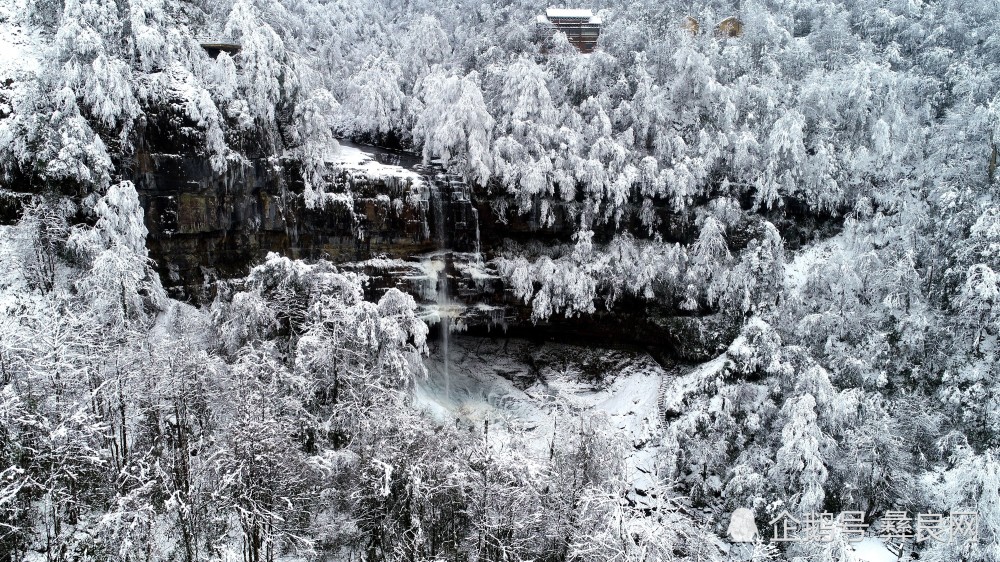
{"type": "Point", "coordinates": [798, 268]}
{"type": "Point", "coordinates": [357, 160]}
{"type": "Point", "coordinates": [871, 549]}
{"type": "Point", "coordinates": [19, 46]}
{"type": "Point", "coordinates": [526, 389]}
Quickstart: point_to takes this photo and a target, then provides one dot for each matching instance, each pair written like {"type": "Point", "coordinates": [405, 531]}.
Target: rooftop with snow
{"type": "Point", "coordinates": [581, 26]}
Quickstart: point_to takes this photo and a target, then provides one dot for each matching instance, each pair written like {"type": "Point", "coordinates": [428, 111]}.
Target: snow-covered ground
{"type": "Point", "coordinates": [526, 389]}
{"type": "Point", "coordinates": [19, 46]}
{"type": "Point", "coordinates": [690, 383]}
{"type": "Point", "coordinates": [797, 270]}
{"type": "Point", "coordinates": [359, 161]}
{"type": "Point", "coordinates": [871, 549]}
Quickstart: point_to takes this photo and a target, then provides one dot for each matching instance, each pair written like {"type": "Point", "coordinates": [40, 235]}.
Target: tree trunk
{"type": "Point", "coordinates": [993, 163]}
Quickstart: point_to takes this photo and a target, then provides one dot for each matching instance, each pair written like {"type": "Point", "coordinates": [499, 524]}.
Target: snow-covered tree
{"type": "Point", "coordinates": [267, 78]}
{"type": "Point", "coordinates": [799, 467]}
{"type": "Point", "coordinates": [374, 102]}
{"type": "Point", "coordinates": [980, 300]}
{"type": "Point", "coordinates": [121, 286]}
{"type": "Point", "coordinates": [316, 122]}
{"type": "Point", "coordinates": [455, 125]}
{"type": "Point", "coordinates": [427, 45]}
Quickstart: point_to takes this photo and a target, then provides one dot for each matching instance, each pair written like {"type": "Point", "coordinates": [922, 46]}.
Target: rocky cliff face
{"type": "Point", "coordinates": [205, 225]}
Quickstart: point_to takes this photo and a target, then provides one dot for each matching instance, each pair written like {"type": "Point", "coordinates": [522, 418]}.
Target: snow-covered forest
{"type": "Point", "coordinates": [809, 210]}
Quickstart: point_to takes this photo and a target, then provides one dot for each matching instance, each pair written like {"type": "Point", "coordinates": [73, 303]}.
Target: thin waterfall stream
{"type": "Point", "coordinates": [456, 222]}
{"type": "Point", "coordinates": [445, 328]}
{"type": "Point", "coordinates": [441, 285]}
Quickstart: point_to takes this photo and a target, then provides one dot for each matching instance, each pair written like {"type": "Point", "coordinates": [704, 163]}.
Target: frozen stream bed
{"type": "Point", "coordinates": [523, 390]}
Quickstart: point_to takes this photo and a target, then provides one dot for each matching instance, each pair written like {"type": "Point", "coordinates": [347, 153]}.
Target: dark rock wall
{"type": "Point", "coordinates": [204, 225]}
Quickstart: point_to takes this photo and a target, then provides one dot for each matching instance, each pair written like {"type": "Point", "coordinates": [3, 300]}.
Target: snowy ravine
{"type": "Point", "coordinates": [522, 390]}
{"type": "Point", "coordinates": [513, 393]}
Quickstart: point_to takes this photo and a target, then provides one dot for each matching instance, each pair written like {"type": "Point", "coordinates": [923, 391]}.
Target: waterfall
{"type": "Point", "coordinates": [445, 330]}
{"type": "Point", "coordinates": [453, 223]}
{"type": "Point", "coordinates": [441, 288]}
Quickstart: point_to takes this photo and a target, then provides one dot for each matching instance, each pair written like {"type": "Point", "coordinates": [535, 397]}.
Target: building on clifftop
{"type": "Point", "coordinates": [581, 27]}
